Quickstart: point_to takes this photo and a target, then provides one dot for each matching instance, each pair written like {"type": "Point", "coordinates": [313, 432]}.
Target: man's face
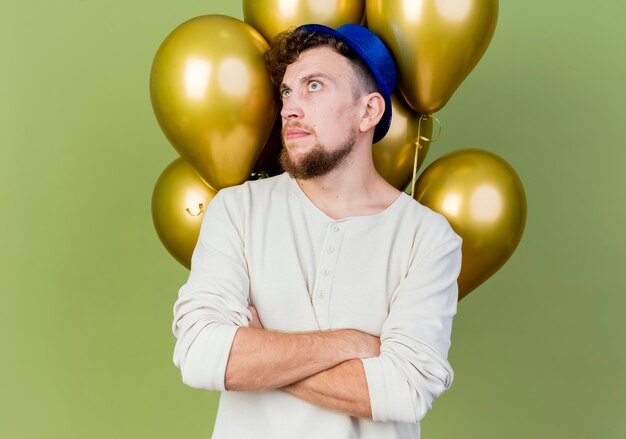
{"type": "Point", "coordinates": [318, 115]}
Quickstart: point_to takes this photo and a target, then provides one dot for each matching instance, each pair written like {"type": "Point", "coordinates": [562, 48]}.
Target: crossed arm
{"type": "Point", "coordinates": [323, 368]}
{"type": "Point", "coordinates": [326, 368]}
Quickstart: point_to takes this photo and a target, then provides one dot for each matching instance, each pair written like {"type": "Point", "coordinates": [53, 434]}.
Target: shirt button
{"type": "Point", "coordinates": [321, 293]}
{"type": "Point", "coordinates": [325, 272]}
{"type": "Point", "coordinates": [331, 249]}
{"type": "Point", "coordinates": [336, 229]}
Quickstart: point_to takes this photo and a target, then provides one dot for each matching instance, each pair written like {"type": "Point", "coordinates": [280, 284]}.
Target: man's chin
{"type": "Point", "coordinates": [290, 162]}
{"type": "Point", "coordinates": [298, 148]}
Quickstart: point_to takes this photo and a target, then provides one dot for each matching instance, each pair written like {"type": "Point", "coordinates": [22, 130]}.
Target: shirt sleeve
{"type": "Point", "coordinates": [412, 369]}
{"type": "Point", "coordinates": [213, 303]}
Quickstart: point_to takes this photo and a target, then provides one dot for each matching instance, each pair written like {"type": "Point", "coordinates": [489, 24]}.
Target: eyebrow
{"type": "Point", "coordinates": [307, 78]}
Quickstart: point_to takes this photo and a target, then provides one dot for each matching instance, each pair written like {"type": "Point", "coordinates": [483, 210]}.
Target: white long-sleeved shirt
{"type": "Point", "coordinates": [392, 274]}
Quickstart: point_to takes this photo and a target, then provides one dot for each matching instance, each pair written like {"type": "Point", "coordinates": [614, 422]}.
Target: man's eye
{"type": "Point", "coordinates": [314, 85]}
{"type": "Point", "coordinates": [285, 93]}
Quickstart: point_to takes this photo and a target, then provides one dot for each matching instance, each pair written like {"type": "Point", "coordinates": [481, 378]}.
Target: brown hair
{"type": "Point", "coordinates": [288, 45]}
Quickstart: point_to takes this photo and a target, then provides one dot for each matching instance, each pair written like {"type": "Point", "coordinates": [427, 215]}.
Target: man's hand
{"type": "Point", "coordinates": [367, 346]}
{"type": "Point", "coordinates": [255, 322]}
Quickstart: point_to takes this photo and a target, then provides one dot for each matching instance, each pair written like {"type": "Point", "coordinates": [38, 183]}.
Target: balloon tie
{"type": "Point", "coordinates": [418, 145]}
{"type": "Point", "coordinates": [200, 208]}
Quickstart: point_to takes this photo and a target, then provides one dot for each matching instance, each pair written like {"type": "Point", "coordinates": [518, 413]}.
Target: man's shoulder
{"type": "Point", "coordinates": [254, 191]}
{"type": "Point", "coordinates": [260, 186]}
{"type": "Point", "coordinates": [428, 222]}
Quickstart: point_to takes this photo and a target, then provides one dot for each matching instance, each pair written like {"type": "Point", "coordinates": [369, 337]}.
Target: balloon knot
{"type": "Point", "coordinates": [200, 208]}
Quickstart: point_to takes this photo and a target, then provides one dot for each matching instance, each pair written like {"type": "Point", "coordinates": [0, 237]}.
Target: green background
{"type": "Point", "coordinates": [88, 289]}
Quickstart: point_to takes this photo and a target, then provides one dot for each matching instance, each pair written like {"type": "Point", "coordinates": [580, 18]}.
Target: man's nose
{"type": "Point", "coordinates": [291, 110]}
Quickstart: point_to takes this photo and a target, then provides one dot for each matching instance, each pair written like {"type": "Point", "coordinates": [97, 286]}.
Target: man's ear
{"type": "Point", "coordinates": [374, 110]}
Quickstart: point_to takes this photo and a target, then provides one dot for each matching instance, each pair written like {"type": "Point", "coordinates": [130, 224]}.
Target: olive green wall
{"type": "Point", "coordinates": [87, 288]}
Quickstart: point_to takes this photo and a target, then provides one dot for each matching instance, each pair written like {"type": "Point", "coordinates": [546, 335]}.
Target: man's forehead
{"type": "Point", "coordinates": [323, 61]}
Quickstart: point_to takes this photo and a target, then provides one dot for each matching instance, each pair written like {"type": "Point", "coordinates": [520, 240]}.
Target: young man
{"type": "Point", "coordinates": [320, 301]}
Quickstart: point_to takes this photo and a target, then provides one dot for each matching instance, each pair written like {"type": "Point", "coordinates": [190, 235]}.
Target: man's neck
{"type": "Point", "coordinates": [352, 189]}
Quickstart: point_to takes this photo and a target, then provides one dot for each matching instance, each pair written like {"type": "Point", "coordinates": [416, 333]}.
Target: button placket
{"type": "Point", "coordinates": [325, 272]}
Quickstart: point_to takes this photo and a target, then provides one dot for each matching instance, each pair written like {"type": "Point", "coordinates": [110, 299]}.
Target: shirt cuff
{"type": "Point", "coordinates": [205, 365]}
{"type": "Point", "coordinates": [390, 393]}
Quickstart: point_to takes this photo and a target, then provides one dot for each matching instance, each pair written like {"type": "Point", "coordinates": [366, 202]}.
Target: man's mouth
{"type": "Point", "coordinates": [295, 133]}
